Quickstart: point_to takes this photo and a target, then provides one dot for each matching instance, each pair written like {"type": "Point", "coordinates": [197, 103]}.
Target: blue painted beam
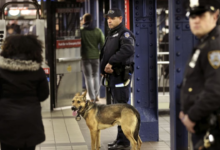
{"type": "Point", "coordinates": [119, 4]}
{"type": "Point", "coordinates": [181, 42]}
{"type": "Point", "coordinates": [145, 75]}
{"type": "Point", "coordinates": [93, 8]}
{"type": "Point", "coordinates": [101, 16]}
{"type": "Point", "coordinates": [102, 27]}
{"type": "Point", "coordinates": [86, 6]}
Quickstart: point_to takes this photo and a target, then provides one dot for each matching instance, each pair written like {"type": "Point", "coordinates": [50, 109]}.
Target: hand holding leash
{"type": "Point", "coordinates": [181, 115]}
{"type": "Point", "coordinates": [189, 124]}
{"type": "Point", "coordinates": [108, 69]}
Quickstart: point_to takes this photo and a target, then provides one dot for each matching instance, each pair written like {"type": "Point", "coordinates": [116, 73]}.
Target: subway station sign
{"type": "Point", "coordinates": [68, 43]}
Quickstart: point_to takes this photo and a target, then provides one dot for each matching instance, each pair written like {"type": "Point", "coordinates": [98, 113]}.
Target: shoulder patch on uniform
{"type": "Point", "coordinates": [127, 34]}
{"type": "Point", "coordinates": [214, 58]}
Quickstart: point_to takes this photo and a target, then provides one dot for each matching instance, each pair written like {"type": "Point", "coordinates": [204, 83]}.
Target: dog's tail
{"type": "Point", "coordinates": [136, 132]}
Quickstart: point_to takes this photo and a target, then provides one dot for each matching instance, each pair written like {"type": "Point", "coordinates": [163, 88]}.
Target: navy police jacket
{"type": "Point", "coordinates": [118, 50]}
{"type": "Point", "coordinates": [200, 93]}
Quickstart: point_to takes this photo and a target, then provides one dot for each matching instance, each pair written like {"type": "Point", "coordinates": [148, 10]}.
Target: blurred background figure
{"type": "Point", "coordinates": [92, 39]}
{"type": "Point", "coordinates": [10, 31]}
{"type": "Point", "coordinates": [16, 27]}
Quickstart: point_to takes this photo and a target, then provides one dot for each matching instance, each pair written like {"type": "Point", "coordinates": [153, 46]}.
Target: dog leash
{"type": "Point", "coordinates": [78, 117]}
{"type": "Point", "coordinates": [101, 83]}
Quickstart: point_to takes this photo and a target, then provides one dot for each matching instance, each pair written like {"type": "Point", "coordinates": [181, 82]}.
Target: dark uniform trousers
{"type": "Point", "coordinates": [200, 92]}
{"type": "Point", "coordinates": [121, 95]}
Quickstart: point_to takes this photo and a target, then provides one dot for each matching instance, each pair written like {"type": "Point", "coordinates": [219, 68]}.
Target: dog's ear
{"type": "Point", "coordinates": [77, 94]}
{"type": "Point", "coordinates": [84, 94]}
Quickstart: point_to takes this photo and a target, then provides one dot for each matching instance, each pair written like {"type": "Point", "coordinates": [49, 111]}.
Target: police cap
{"type": "Point", "coordinates": [198, 7]}
{"type": "Point", "coordinates": [114, 12]}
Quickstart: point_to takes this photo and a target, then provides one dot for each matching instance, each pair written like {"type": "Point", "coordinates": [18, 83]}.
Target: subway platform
{"type": "Point", "coordinates": [63, 132]}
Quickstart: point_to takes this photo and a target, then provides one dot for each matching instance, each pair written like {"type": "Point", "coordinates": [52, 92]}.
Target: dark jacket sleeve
{"type": "Point", "coordinates": [209, 100]}
{"type": "Point", "coordinates": [43, 88]}
{"type": "Point", "coordinates": [125, 52]}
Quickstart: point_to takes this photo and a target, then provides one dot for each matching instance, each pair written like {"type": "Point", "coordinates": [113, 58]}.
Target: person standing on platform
{"type": "Point", "coordinates": [23, 85]}
{"type": "Point", "coordinates": [200, 92]}
{"type": "Point", "coordinates": [117, 66]}
{"type": "Point", "coordinates": [92, 40]}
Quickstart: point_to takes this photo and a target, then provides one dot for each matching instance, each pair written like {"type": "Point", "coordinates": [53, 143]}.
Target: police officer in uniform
{"type": "Point", "coordinates": [116, 65]}
{"type": "Point", "coordinates": [200, 93]}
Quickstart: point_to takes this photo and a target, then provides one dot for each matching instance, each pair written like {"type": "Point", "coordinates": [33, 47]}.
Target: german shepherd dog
{"type": "Point", "coordinates": [100, 117]}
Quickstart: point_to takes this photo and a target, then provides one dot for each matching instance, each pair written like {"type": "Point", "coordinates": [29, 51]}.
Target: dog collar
{"type": "Point", "coordinates": [78, 117]}
{"type": "Point", "coordinates": [85, 113]}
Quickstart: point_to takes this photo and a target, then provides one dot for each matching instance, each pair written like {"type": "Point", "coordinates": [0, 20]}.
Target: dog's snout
{"type": "Point", "coordinates": [74, 108]}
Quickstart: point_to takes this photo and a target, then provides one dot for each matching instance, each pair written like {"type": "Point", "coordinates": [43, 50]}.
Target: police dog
{"type": "Point", "coordinates": [100, 117]}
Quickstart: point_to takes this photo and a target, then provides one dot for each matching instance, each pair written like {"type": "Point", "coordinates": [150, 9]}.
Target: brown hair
{"type": "Point", "coordinates": [87, 18]}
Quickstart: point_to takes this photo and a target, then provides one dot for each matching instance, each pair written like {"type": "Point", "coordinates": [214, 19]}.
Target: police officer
{"type": "Point", "coordinates": [200, 93]}
{"type": "Point", "coordinates": [116, 64]}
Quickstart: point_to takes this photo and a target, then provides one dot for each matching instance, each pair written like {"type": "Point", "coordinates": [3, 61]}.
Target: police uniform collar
{"type": "Point", "coordinates": [212, 33]}
{"type": "Point", "coordinates": [112, 31]}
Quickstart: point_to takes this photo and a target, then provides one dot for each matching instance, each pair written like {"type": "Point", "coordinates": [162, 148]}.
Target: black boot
{"type": "Point", "coordinates": [112, 143]}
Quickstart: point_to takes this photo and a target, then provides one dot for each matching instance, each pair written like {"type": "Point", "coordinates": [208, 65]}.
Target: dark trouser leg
{"type": "Point", "coordinates": [121, 95]}
{"type": "Point", "coordinates": [196, 139]}
{"type": "Point", "coordinates": [121, 138]}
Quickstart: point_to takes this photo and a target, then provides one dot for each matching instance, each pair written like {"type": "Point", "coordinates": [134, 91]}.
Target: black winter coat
{"type": "Point", "coordinates": [117, 51]}
{"type": "Point", "coordinates": [118, 48]}
{"type": "Point", "coordinates": [200, 93]}
{"type": "Point", "coordinates": [23, 85]}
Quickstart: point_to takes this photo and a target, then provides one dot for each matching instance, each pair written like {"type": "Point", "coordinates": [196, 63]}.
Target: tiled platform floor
{"type": "Point", "coordinates": [63, 132]}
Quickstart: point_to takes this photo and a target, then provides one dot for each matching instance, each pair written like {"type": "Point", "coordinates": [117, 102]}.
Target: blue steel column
{"type": "Point", "coordinates": [102, 27]}
{"type": "Point", "coordinates": [93, 11]}
{"type": "Point", "coordinates": [119, 4]}
{"type": "Point", "coordinates": [86, 6]}
{"type": "Point", "coordinates": [101, 16]}
{"type": "Point", "coordinates": [110, 4]}
{"type": "Point", "coordinates": [145, 76]}
{"type": "Point", "coordinates": [181, 42]}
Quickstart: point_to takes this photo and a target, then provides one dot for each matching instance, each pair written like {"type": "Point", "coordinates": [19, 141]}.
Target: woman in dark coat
{"type": "Point", "coordinates": [23, 85]}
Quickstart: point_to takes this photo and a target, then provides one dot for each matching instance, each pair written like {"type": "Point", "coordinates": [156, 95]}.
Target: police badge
{"type": "Point", "coordinates": [127, 34]}
{"type": "Point", "coordinates": [111, 12]}
{"type": "Point", "coordinates": [214, 59]}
